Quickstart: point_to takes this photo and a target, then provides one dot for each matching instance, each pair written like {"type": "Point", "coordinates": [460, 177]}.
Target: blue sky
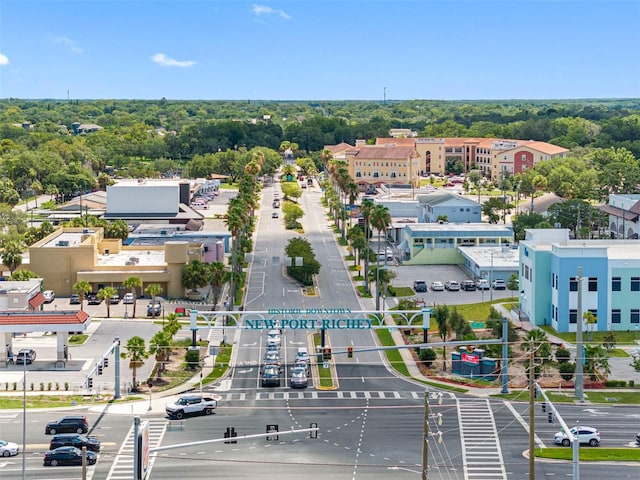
{"type": "Point", "coordinates": [319, 50]}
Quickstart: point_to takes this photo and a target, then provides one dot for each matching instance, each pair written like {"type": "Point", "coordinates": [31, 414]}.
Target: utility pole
{"type": "Point", "coordinates": [579, 384]}
{"type": "Point", "coordinates": [425, 438]}
{"type": "Point", "coordinates": [532, 417]}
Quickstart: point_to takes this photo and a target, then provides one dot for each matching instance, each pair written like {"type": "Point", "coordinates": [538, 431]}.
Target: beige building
{"type": "Point", "coordinates": [70, 255]}
{"type": "Point", "coordinates": [374, 165]}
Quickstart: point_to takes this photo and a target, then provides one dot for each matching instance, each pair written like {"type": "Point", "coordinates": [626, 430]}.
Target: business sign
{"type": "Point", "coordinates": [469, 358]}
{"type": "Point", "coordinates": [143, 450]}
{"type": "Point", "coordinates": [308, 324]}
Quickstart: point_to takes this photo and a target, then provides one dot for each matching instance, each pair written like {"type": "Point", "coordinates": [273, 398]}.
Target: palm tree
{"type": "Point", "coordinates": [154, 290]}
{"type": "Point", "coordinates": [12, 253]}
{"type": "Point", "coordinates": [380, 220]}
{"type": "Point", "coordinates": [82, 288]}
{"type": "Point", "coordinates": [366, 208]}
{"type": "Point", "coordinates": [216, 278]}
{"type": "Point", "coordinates": [535, 341]}
{"type": "Point", "coordinates": [441, 316]}
{"type": "Point", "coordinates": [538, 183]}
{"type": "Point", "coordinates": [106, 294]}
{"type": "Point", "coordinates": [135, 350]}
{"type": "Point", "coordinates": [160, 346]}
{"type": "Point", "coordinates": [597, 362]}
{"type": "Point", "coordinates": [133, 283]}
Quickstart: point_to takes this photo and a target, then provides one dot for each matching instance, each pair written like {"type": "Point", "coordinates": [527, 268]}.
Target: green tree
{"type": "Point", "coordinates": [106, 294]}
{"type": "Point", "coordinates": [11, 252]}
{"type": "Point", "coordinates": [216, 276]}
{"type": "Point", "coordinates": [597, 362]}
{"type": "Point", "coordinates": [459, 325]}
{"type": "Point", "coordinates": [300, 248]}
{"type": "Point", "coordinates": [195, 275]}
{"type": "Point", "coordinates": [82, 288]}
{"type": "Point", "coordinates": [292, 213]}
{"type": "Point", "coordinates": [136, 351]}
{"type": "Point", "coordinates": [23, 275]}
{"type": "Point", "coordinates": [535, 341]}
{"type": "Point", "coordinates": [380, 220]}
{"type": "Point", "coordinates": [441, 316]}
{"type": "Point", "coordinates": [153, 289]}
{"type": "Point", "coordinates": [117, 229]}
{"type": "Point", "coordinates": [133, 284]}
{"type": "Point", "coordinates": [160, 346]}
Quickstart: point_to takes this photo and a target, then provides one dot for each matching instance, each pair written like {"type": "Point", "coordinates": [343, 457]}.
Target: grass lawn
{"type": "Point", "coordinates": [587, 454]}
{"type": "Point", "coordinates": [324, 374]}
{"type": "Point", "coordinates": [403, 291]}
{"type": "Point", "coordinates": [221, 366]}
{"type": "Point", "coordinates": [41, 401]}
{"type": "Point", "coordinates": [622, 338]}
{"type": "Point", "coordinates": [567, 396]}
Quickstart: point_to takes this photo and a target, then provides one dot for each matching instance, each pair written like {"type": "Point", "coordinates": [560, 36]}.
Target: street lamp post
{"type": "Point", "coordinates": [491, 277]}
{"type": "Point", "coordinates": [24, 416]}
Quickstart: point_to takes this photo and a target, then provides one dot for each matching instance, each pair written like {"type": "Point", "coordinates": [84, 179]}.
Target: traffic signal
{"type": "Point", "coordinates": [544, 406]}
{"type": "Point", "coordinates": [550, 416]}
{"type": "Point", "coordinates": [326, 354]}
{"type": "Point", "coordinates": [350, 352]}
{"type": "Point", "coordinates": [89, 382]}
{"type": "Point", "coordinates": [99, 370]}
{"type": "Point", "coordinates": [105, 362]}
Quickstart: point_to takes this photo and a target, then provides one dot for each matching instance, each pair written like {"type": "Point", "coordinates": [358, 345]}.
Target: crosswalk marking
{"type": "Point", "coordinates": [271, 395]}
{"type": "Point", "coordinates": [122, 467]}
{"type": "Point", "coordinates": [481, 453]}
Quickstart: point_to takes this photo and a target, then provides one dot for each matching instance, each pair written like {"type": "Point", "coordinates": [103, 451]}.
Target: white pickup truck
{"type": "Point", "coordinates": [191, 405]}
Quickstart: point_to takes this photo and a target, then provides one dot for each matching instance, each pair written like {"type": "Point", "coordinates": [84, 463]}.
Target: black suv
{"type": "Point", "coordinates": [26, 356]}
{"type": "Point", "coordinates": [468, 285]}
{"type": "Point", "coordinates": [419, 286]}
{"type": "Point", "coordinates": [70, 424]}
{"type": "Point", "coordinates": [93, 299]}
{"type": "Point", "coordinates": [75, 440]}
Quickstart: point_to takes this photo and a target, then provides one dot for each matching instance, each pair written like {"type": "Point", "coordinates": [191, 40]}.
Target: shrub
{"type": "Point", "coordinates": [49, 385]}
{"type": "Point", "coordinates": [563, 355]}
{"type": "Point", "coordinates": [427, 356]}
{"type": "Point", "coordinates": [57, 386]}
{"type": "Point", "coordinates": [615, 383]}
{"type": "Point", "coordinates": [66, 386]}
{"type": "Point", "coordinates": [15, 386]}
{"type": "Point", "coordinates": [567, 370]}
{"type": "Point", "coordinates": [192, 357]}
{"type": "Point", "coordinates": [632, 383]}
{"type": "Point", "coordinates": [32, 386]}
{"type": "Point", "coordinates": [42, 386]}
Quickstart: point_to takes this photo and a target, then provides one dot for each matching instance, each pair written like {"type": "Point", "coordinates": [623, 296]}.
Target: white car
{"type": "Point", "coordinates": [191, 405]}
{"type": "Point", "coordinates": [483, 284]}
{"type": "Point", "coordinates": [273, 337]}
{"type": "Point", "coordinates": [586, 436]}
{"type": "Point", "coordinates": [437, 286]}
{"type": "Point", "coordinates": [49, 296]}
{"type": "Point", "coordinates": [452, 285]}
{"type": "Point", "coordinates": [128, 298]}
{"type": "Point", "coordinates": [8, 449]}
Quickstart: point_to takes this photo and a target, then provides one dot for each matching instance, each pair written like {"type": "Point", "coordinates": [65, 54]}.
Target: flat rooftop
{"type": "Point", "coordinates": [493, 257]}
{"type": "Point", "coordinates": [141, 257]}
{"type": "Point", "coordinates": [68, 239]}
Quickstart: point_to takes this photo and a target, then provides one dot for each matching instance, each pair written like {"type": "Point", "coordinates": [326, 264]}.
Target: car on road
{"type": "Point", "coordinates": [68, 424]}
{"type": "Point", "coordinates": [498, 284]}
{"type": "Point", "coordinates": [483, 284]}
{"type": "Point", "coordinates": [274, 214]}
{"type": "Point", "coordinates": [271, 359]}
{"type": "Point", "coordinates": [68, 456]}
{"type": "Point", "coordinates": [93, 299]}
{"type": "Point", "coordinates": [420, 286]}
{"type": "Point", "coordinates": [74, 299]}
{"type": "Point", "coordinates": [75, 440]}
{"type": "Point", "coordinates": [8, 449]}
{"type": "Point", "coordinates": [128, 299]}
{"type": "Point", "coordinates": [638, 438]}
{"type": "Point", "coordinates": [468, 285]}
{"type": "Point", "coordinates": [437, 286]}
{"type": "Point", "coordinates": [154, 309]}
{"type": "Point", "coordinates": [273, 337]}
{"type": "Point", "coordinates": [191, 405]}
{"type": "Point", "coordinates": [452, 285]}
{"type": "Point", "coordinates": [49, 296]}
{"type": "Point", "coordinates": [270, 377]}
{"type": "Point", "coordinates": [302, 355]}
{"type": "Point", "coordinates": [586, 436]}
{"type": "Point", "coordinates": [298, 378]}
{"type": "Point", "coordinates": [26, 356]}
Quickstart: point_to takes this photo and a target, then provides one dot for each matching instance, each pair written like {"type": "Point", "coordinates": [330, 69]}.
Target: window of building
{"type": "Point", "coordinates": [615, 315]}
{"type": "Point", "coordinates": [376, 174]}
{"type": "Point", "coordinates": [635, 284]}
{"type": "Point", "coordinates": [635, 315]}
{"type": "Point", "coordinates": [523, 157]}
{"type": "Point", "coordinates": [573, 284]}
{"type": "Point", "coordinates": [573, 316]}
{"type": "Point", "coordinates": [392, 174]}
{"type": "Point", "coordinates": [593, 284]}
{"type": "Point", "coordinates": [358, 174]}
{"type": "Point", "coordinates": [616, 284]}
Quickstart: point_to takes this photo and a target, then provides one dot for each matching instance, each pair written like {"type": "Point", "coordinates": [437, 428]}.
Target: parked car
{"type": "Point", "coordinates": [74, 299]}
{"type": "Point", "coordinates": [154, 309]}
{"type": "Point", "coordinates": [452, 285]}
{"type": "Point", "coordinates": [468, 285]}
{"type": "Point", "coordinates": [483, 284]}
{"type": "Point", "coordinates": [298, 378]}
{"type": "Point", "coordinates": [128, 298]}
{"type": "Point", "coordinates": [191, 405]}
{"type": "Point", "coordinates": [8, 449]}
{"type": "Point", "coordinates": [419, 286]}
{"type": "Point", "coordinates": [270, 377]}
{"type": "Point", "coordinates": [115, 299]}
{"type": "Point", "coordinates": [437, 286]}
{"type": "Point", "coordinates": [498, 284]}
{"type": "Point", "coordinates": [68, 456]}
{"type": "Point", "coordinates": [586, 435]}
{"type": "Point", "coordinates": [26, 356]}
{"type": "Point", "coordinates": [49, 296]}
{"type": "Point", "coordinates": [69, 424]}
{"type": "Point", "coordinates": [93, 299]}
{"type": "Point", "coordinates": [75, 440]}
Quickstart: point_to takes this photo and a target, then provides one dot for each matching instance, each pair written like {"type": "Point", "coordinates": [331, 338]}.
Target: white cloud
{"type": "Point", "coordinates": [264, 10]}
{"type": "Point", "coordinates": [4, 60]}
{"type": "Point", "coordinates": [67, 42]}
{"type": "Point", "coordinates": [164, 61]}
